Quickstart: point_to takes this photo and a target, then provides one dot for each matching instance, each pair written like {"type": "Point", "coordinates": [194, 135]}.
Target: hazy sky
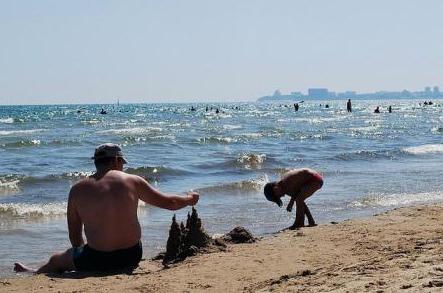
{"type": "Point", "coordinates": [161, 51]}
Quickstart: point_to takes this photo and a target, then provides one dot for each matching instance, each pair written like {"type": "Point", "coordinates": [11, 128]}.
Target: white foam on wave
{"type": "Point", "coordinates": [8, 186]}
{"type": "Point", "coordinates": [389, 200]}
{"type": "Point", "coordinates": [21, 210]}
{"type": "Point", "coordinates": [365, 129]}
{"type": "Point", "coordinates": [252, 161]}
{"type": "Point", "coordinates": [231, 127]}
{"type": "Point", "coordinates": [317, 120]}
{"type": "Point", "coordinates": [132, 131]}
{"type": "Point", "coordinates": [425, 149]}
{"type": "Point", "coordinates": [28, 131]}
{"type": "Point", "coordinates": [218, 139]}
{"type": "Point", "coordinates": [252, 135]}
{"type": "Point", "coordinates": [7, 120]}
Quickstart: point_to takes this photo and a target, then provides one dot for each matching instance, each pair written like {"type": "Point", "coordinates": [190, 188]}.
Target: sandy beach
{"type": "Point", "coordinates": [397, 251]}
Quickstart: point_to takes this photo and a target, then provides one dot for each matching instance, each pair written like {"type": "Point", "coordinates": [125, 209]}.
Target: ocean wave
{"type": "Point", "coordinates": [251, 161]}
{"type": "Point", "coordinates": [21, 143]}
{"type": "Point", "coordinates": [9, 183]}
{"type": "Point", "coordinates": [155, 173]}
{"type": "Point", "coordinates": [241, 187]}
{"type": "Point", "coordinates": [244, 137]}
{"type": "Point", "coordinates": [7, 120]}
{"type": "Point", "coordinates": [367, 155]}
{"type": "Point", "coordinates": [74, 175]}
{"type": "Point", "coordinates": [232, 127]}
{"type": "Point", "coordinates": [389, 200]}
{"type": "Point", "coordinates": [136, 140]}
{"type": "Point", "coordinates": [424, 149]}
{"type": "Point", "coordinates": [26, 210]}
{"type": "Point", "coordinates": [132, 131]}
{"type": "Point", "coordinates": [19, 132]}
{"type": "Point", "coordinates": [91, 121]}
{"type": "Point", "coordinates": [217, 139]}
{"type": "Point", "coordinates": [437, 130]}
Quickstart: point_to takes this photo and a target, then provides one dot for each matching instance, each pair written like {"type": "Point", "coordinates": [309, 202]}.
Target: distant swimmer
{"type": "Point", "coordinates": [217, 111]}
{"type": "Point", "coordinates": [377, 110]}
{"type": "Point", "coordinates": [299, 184]}
{"type": "Point", "coordinates": [349, 105]}
{"type": "Point", "coordinates": [296, 106]}
{"type": "Point", "coordinates": [430, 103]}
{"type": "Point", "coordinates": [192, 109]}
{"type": "Point", "coordinates": [327, 106]}
{"type": "Point", "coordinates": [103, 112]}
{"type": "Point", "coordinates": [104, 207]}
{"type": "Point", "coordinates": [390, 109]}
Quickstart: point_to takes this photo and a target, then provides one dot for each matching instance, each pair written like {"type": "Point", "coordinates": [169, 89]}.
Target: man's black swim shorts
{"type": "Point", "coordinates": [88, 259]}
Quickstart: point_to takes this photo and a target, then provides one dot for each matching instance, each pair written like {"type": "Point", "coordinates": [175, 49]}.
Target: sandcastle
{"type": "Point", "coordinates": [188, 240]}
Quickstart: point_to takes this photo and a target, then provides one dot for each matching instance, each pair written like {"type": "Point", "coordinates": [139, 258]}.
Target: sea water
{"type": "Point", "coordinates": [370, 163]}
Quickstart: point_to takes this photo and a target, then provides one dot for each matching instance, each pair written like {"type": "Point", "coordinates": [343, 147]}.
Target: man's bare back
{"type": "Point", "coordinates": [107, 206]}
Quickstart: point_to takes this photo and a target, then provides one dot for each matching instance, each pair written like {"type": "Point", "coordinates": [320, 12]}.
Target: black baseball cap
{"type": "Point", "coordinates": [109, 150]}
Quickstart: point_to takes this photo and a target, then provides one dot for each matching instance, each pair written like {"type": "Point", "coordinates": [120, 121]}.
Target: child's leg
{"type": "Point", "coordinates": [302, 209]}
{"type": "Point", "coordinates": [309, 216]}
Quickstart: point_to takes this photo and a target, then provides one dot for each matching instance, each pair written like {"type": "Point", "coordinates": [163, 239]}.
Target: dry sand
{"type": "Point", "coordinates": [398, 251]}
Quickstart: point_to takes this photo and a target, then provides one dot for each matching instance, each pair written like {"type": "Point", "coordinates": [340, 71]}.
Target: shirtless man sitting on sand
{"type": "Point", "coordinates": [299, 184]}
{"type": "Point", "coordinates": [106, 205]}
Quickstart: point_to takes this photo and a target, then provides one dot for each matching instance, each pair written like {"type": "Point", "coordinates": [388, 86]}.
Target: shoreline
{"type": "Point", "coordinates": [398, 250]}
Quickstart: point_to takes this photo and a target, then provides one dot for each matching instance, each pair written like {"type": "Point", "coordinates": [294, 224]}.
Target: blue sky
{"type": "Point", "coordinates": [164, 51]}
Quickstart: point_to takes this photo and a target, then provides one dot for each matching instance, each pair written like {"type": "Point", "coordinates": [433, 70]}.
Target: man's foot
{"type": "Point", "coordinates": [312, 224]}
{"type": "Point", "coordinates": [20, 268]}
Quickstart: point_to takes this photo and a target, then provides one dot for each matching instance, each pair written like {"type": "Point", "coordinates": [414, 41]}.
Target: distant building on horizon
{"type": "Point", "coordinates": [324, 93]}
{"type": "Point", "coordinates": [318, 93]}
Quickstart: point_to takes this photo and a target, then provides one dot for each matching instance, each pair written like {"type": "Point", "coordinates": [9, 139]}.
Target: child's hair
{"type": "Point", "coordinates": [269, 193]}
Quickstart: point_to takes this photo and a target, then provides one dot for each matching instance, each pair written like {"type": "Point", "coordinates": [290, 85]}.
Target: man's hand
{"type": "Point", "coordinates": [193, 198]}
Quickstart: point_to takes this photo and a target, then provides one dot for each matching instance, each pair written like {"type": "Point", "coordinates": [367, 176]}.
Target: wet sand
{"type": "Point", "coordinates": [397, 251]}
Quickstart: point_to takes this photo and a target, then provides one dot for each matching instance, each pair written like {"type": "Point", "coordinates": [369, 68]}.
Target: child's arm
{"type": "Point", "coordinates": [290, 204]}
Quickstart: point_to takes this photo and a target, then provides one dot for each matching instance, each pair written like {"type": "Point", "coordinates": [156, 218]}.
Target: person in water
{"type": "Point", "coordinates": [105, 206]}
{"type": "Point", "coordinates": [377, 110]}
{"type": "Point", "coordinates": [299, 184]}
{"type": "Point", "coordinates": [349, 105]}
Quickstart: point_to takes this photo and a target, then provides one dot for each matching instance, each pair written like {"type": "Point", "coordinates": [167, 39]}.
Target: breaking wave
{"type": "Point", "coordinates": [21, 143]}
{"type": "Point", "coordinates": [9, 184]}
{"type": "Point", "coordinates": [26, 210]}
{"type": "Point", "coordinates": [132, 131]}
{"type": "Point", "coordinates": [217, 139]}
{"type": "Point", "coordinates": [155, 173]}
{"type": "Point", "coordinates": [14, 132]}
{"type": "Point", "coordinates": [7, 120]}
{"type": "Point", "coordinates": [367, 155]}
{"type": "Point", "coordinates": [238, 188]}
{"type": "Point", "coordinates": [251, 161]}
{"type": "Point", "coordinates": [425, 149]}
{"type": "Point", "coordinates": [390, 200]}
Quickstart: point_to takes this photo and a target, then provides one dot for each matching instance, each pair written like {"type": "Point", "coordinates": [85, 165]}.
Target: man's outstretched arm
{"type": "Point", "coordinates": [159, 199]}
